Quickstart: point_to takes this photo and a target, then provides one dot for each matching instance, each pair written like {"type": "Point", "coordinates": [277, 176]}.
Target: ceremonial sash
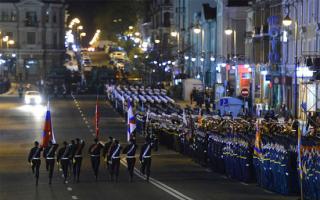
{"type": "Point", "coordinates": [50, 150]}
{"type": "Point", "coordinates": [131, 149]}
{"type": "Point", "coordinates": [34, 155]}
{"type": "Point", "coordinates": [146, 151]}
{"type": "Point", "coordinates": [94, 148]}
{"type": "Point", "coordinates": [65, 153]}
{"type": "Point", "coordinates": [115, 152]}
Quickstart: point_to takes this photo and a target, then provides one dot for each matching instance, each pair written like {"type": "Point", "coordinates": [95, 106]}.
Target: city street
{"type": "Point", "coordinates": [173, 176]}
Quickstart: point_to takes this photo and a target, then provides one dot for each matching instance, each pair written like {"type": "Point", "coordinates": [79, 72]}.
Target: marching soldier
{"type": "Point", "coordinates": [77, 159]}
{"type": "Point", "coordinates": [49, 154]}
{"type": "Point", "coordinates": [94, 152]}
{"type": "Point", "coordinates": [114, 159]}
{"type": "Point", "coordinates": [34, 159]}
{"type": "Point", "coordinates": [130, 150]}
{"type": "Point", "coordinates": [63, 159]}
{"type": "Point", "coordinates": [106, 149]}
{"type": "Point", "coordinates": [72, 147]}
{"type": "Point", "coordinates": [145, 158]}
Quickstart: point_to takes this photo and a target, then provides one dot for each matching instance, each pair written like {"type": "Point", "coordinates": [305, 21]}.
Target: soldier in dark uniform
{"type": "Point", "coordinates": [77, 159]}
{"type": "Point", "coordinates": [49, 154]}
{"type": "Point", "coordinates": [94, 152]}
{"type": "Point", "coordinates": [63, 159]}
{"type": "Point", "coordinates": [106, 149]}
{"type": "Point", "coordinates": [145, 158]}
{"type": "Point", "coordinates": [114, 159]}
{"type": "Point", "coordinates": [130, 150]}
{"type": "Point", "coordinates": [34, 159]}
{"type": "Point", "coordinates": [72, 147]}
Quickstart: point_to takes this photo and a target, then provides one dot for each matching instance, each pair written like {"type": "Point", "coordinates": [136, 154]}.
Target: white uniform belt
{"type": "Point", "coordinates": [35, 158]}
{"type": "Point", "coordinates": [95, 155]}
{"type": "Point", "coordinates": [49, 158]}
{"type": "Point", "coordinates": [115, 157]}
{"type": "Point", "coordinates": [130, 156]}
{"type": "Point", "coordinates": [146, 156]}
{"type": "Point", "coordinates": [78, 156]}
{"type": "Point", "coordinates": [64, 158]}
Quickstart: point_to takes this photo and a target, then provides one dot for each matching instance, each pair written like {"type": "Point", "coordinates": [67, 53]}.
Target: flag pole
{"type": "Point", "coordinates": [300, 161]}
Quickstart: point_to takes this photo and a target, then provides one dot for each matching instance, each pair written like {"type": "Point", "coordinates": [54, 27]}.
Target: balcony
{"type": "Point", "coordinates": [29, 23]}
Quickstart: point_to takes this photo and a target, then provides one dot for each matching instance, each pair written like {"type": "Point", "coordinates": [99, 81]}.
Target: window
{"type": "Point", "coordinates": [13, 16]}
{"type": "Point", "coordinates": [47, 16]}
{"type": "Point", "coordinates": [54, 18]}
{"type": "Point", "coordinates": [166, 21]}
{"type": "Point", "coordinates": [31, 38]}
{"type": "Point", "coordinates": [31, 18]}
{"type": "Point", "coordinates": [4, 16]}
{"type": "Point", "coordinates": [55, 40]}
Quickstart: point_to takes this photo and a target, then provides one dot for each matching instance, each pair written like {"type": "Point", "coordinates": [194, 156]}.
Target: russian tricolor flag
{"type": "Point", "coordinates": [131, 121]}
{"type": "Point", "coordinates": [47, 133]}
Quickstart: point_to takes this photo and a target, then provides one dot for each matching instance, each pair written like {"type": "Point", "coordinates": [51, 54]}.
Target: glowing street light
{"type": "Point", "coordinates": [228, 31]}
{"type": "Point", "coordinates": [197, 29]}
{"type": "Point", "coordinates": [174, 33]}
{"type": "Point", "coordinates": [130, 27]}
{"type": "Point", "coordinates": [11, 42]}
{"type": "Point", "coordinates": [5, 38]}
{"type": "Point", "coordinates": [157, 41]}
{"type": "Point", "coordinates": [287, 21]}
{"type": "Point", "coordinates": [83, 34]}
{"type": "Point", "coordinates": [80, 27]}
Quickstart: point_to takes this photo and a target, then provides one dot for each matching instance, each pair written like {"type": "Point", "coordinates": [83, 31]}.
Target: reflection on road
{"type": "Point", "coordinates": [37, 111]}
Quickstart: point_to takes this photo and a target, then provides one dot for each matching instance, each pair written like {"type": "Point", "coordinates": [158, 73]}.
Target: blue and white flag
{"type": "Point", "coordinates": [131, 121]}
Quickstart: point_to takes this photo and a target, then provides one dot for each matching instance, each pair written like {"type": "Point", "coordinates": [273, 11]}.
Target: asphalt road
{"type": "Point", "coordinates": [173, 176]}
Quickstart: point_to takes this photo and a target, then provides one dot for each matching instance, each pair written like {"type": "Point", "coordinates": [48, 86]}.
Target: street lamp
{"type": "Point", "coordinates": [157, 41]}
{"type": "Point", "coordinates": [80, 27]}
{"type": "Point", "coordinates": [197, 29]}
{"type": "Point", "coordinates": [174, 33]}
{"type": "Point", "coordinates": [228, 31]}
{"type": "Point", "coordinates": [11, 42]}
{"type": "Point", "coordinates": [287, 21]}
{"type": "Point", "coordinates": [130, 27]}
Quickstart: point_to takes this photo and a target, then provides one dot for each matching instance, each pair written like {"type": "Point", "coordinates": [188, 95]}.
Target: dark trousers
{"type": "Point", "coordinates": [77, 167]}
{"type": "Point", "coordinates": [114, 168]}
{"type": "Point", "coordinates": [95, 163]}
{"type": "Point", "coordinates": [50, 167]}
{"type": "Point", "coordinates": [131, 162]}
{"type": "Point", "coordinates": [145, 166]}
{"type": "Point", "coordinates": [65, 166]}
{"type": "Point", "coordinates": [35, 167]}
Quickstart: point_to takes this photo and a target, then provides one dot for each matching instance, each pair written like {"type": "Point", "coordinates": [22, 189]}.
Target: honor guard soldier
{"type": "Point", "coordinates": [114, 159]}
{"type": "Point", "coordinates": [130, 150]}
{"type": "Point", "coordinates": [77, 159]}
{"type": "Point", "coordinates": [34, 160]}
{"type": "Point", "coordinates": [72, 147]}
{"type": "Point", "coordinates": [63, 159]}
{"type": "Point", "coordinates": [94, 152]}
{"type": "Point", "coordinates": [49, 154]}
{"type": "Point", "coordinates": [105, 152]}
{"type": "Point", "coordinates": [145, 158]}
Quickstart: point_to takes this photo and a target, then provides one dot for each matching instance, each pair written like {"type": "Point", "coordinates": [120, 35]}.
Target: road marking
{"type": "Point", "coordinates": [160, 185]}
{"type": "Point", "coordinates": [208, 170]}
{"type": "Point", "coordinates": [267, 191]}
{"type": "Point", "coordinates": [243, 183]}
{"type": "Point", "coordinates": [69, 188]}
{"type": "Point", "coordinates": [74, 197]}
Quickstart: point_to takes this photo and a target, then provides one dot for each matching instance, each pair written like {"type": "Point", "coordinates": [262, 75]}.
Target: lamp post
{"type": "Point", "coordinates": [228, 31]}
{"type": "Point", "coordinates": [287, 21]}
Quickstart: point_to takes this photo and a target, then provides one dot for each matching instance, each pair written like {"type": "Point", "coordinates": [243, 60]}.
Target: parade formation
{"type": "Point", "coordinates": [271, 152]}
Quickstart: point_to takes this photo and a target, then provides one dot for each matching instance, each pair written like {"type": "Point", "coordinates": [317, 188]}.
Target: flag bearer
{"type": "Point", "coordinates": [130, 150]}
{"type": "Point", "coordinates": [49, 154]}
{"type": "Point", "coordinates": [114, 159]}
{"type": "Point", "coordinates": [94, 152]}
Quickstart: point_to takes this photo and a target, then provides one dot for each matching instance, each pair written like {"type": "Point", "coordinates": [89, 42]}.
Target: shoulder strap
{"type": "Point", "coordinates": [50, 150]}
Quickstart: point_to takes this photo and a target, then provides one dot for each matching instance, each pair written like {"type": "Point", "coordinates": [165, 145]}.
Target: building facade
{"type": "Point", "coordinates": [32, 35]}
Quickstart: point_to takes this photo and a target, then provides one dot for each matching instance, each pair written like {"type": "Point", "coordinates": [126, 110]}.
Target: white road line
{"type": "Point", "coordinates": [243, 183]}
{"type": "Point", "coordinates": [267, 191]}
{"type": "Point", "coordinates": [74, 197]}
{"type": "Point", "coordinates": [69, 188]}
{"type": "Point", "coordinates": [161, 185]}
